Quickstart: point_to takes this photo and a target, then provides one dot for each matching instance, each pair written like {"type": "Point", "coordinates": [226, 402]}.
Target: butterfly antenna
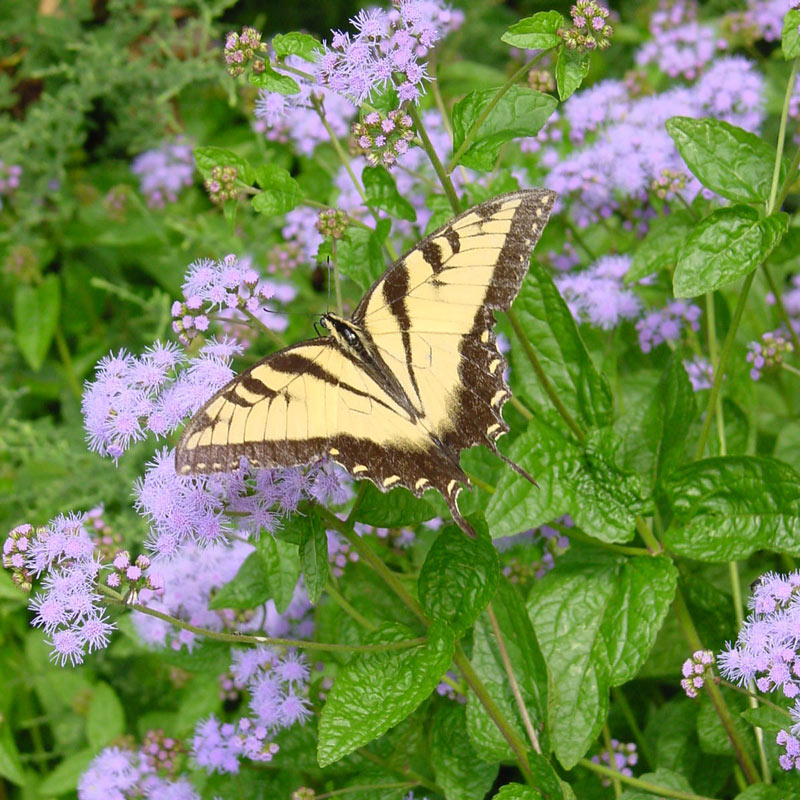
{"type": "Point", "coordinates": [516, 467]}
{"type": "Point", "coordinates": [328, 271]}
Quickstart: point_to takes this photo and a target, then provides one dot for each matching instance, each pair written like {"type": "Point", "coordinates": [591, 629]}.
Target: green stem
{"type": "Point", "coordinates": [543, 379]}
{"type": "Point", "coordinates": [712, 352]}
{"type": "Point", "coordinates": [343, 603]}
{"type": "Point", "coordinates": [720, 706]}
{"type": "Point", "coordinates": [612, 760]}
{"type": "Point", "coordinates": [337, 284]}
{"type": "Point", "coordinates": [638, 783]}
{"type": "Point", "coordinates": [579, 238]}
{"type": "Point", "coordinates": [654, 547]}
{"type": "Point", "coordinates": [782, 312]}
{"type": "Point", "coordinates": [366, 787]}
{"type": "Point", "coordinates": [520, 407]}
{"type": "Point", "coordinates": [719, 372]}
{"type": "Point", "coordinates": [66, 359]}
{"type": "Point", "coordinates": [750, 693]}
{"type": "Point", "coordinates": [512, 680]}
{"type": "Point", "coordinates": [580, 536]}
{"type": "Point", "coordinates": [791, 176]}
{"type": "Point", "coordinates": [276, 337]}
{"type": "Point", "coordinates": [492, 709]}
{"type": "Point", "coordinates": [473, 131]}
{"type": "Point", "coordinates": [776, 171]}
{"type": "Point", "coordinates": [404, 770]}
{"type": "Point", "coordinates": [436, 163]}
{"type": "Point", "coordinates": [243, 638]}
{"type": "Point", "coordinates": [641, 741]}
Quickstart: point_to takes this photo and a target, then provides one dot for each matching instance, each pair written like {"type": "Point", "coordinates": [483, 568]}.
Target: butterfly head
{"type": "Point", "coordinates": [344, 332]}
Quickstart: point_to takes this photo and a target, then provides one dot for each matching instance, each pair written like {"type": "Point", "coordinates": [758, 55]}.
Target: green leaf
{"type": "Point", "coordinates": [527, 663]}
{"type": "Point", "coordinates": [790, 38]}
{"type": "Point", "coordinates": [770, 719]}
{"type": "Point", "coordinates": [64, 778]}
{"type": "Point", "coordinates": [36, 310]}
{"type": "Point", "coordinates": [296, 44]}
{"type": "Point", "coordinates": [520, 112]}
{"type": "Point", "coordinates": [661, 777]}
{"type": "Point", "coordinates": [206, 158]}
{"type": "Point", "coordinates": [281, 191]}
{"type": "Point", "coordinates": [572, 67]}
{"type": "Point", "coordinates": [397, 508]}
{"type": "Point", "coordinates": [381, 192]}
{"type": "Point", "coordinates": [249, 588]}
{"type": "Point", "coordinates": [106, 719]}
{"type": "Point", "coordinates": [377, 690]}
{"type": "Point", "coordinates": [762, 791]}
{"type": "Point", "coordinates": [550, 329]}
{"type": "Point", "coordinates": [662, 245]}
{"type": "Point", "coordinates": [724, 247]}
{"type": "Point", "coordinates": [283, 569]}
{"type": "Point", "coordinates": [10, 765]}
{"type": "Point", "coordinates": [726, 508]}
{"type": "Point", "coordinates": [584, 482]}
{"type": "Point", "coordinates": [609, 608]}
{"type": "Point", "coordinates": [668, 418]}
{"type": "Point", "coordinates": [539, 32]}
{"type": "Point", "coordinates": [274, 81]}
{"type": "Point", "coordinates": [517, 791]}
{"type": "Point", "coordinates": [458, 768]}
{"type": "Point", "coordinates": [459, 576]}
{"type": "Point", "coordinates": [314, 557]}
{"type": "Point", "coordinates": [359, 256]}
{"type": "Point", "coordinates": [728, 160]}
{"type": "Point", "coordinates": [713, 735]}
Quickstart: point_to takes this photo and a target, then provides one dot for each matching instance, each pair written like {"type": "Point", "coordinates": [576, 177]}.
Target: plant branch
{"type": "Point", "coordinates": [638, 783]}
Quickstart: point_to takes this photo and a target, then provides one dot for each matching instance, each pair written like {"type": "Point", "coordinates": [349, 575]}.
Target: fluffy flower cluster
{"type": "Point", "coordinates": [590, 29]}
{"type": "Point", "coordinates": [117, 774]}
{"type": "Point", "coordinates": [627, 149]}
{"type": "Point", "coordinates": [241, 49]}
{"type": "Point", "coordinates": [277, 686]}
{"type": "Point", "coordinates": [767, 17]}
{"type": "Point", "coordinates": [383, 139]}
{"type": "Point", "coordinates": [154, 392]}
{"type": "Point", "coordinates": [701, 373]}
{"type": "Point", "coordinates": [232, 290]}
{"type": "Point", "coordinates": [598, 295]}
{"type": "Point", "coordinates": [163, 172]}
{"type": "Point", "coordinates": [67, 607]}
{"type": "Point", "coordinates": [666, 324]}
{"type": "Point", "coordinates": [625, 757]}
{"type": "Point", "coordinates": [694, 670]}
{"type": "Point", "coordinates": [386, 49]}
{"type": "Point", "coordinates": [190, 579]}
{"type": "Point", "coordinates": [768, 353]}
{"type": "Point", "coordinates": [10, 175]}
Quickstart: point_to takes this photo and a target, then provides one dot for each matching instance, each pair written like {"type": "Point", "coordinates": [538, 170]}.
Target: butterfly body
{"type": "Point", "coordinates": [394, 393]}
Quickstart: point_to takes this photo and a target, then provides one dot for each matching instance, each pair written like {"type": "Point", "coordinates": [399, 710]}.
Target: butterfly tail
{"type": "Point", "coordinates": [460, 520]}
{"type": "Point", "coordinates": [516, 467]}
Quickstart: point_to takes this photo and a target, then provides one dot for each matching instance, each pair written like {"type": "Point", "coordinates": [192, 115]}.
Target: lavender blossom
{"type": "Point", "coordinates": [768, 353]}
{"type": "Point", "coordinates": [164, 171]}
{"type": "Point", "coordinates": [598, 295]}
{"type": "Point", "coordinates": [666, 324]}
{"type": "Point", "coordinates": [10, 175]}
{"type": "Point", "coordinates": [694, 670]}
{"type": "Point", "coordinates": [518, 566]}
{"type": "Point", "coordinates": [625, 757]}
{"type": "Point", "coordinates": [681, 51]}
{"type": "Point", "coordinates": [701, 374]}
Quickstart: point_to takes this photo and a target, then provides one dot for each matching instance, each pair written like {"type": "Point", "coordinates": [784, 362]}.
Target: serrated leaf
{"type": "Point", "coordinates": [359, 256]}
{"type": "Point", "coordinates": [65, 776]}
{"type": "Point", "coordinates": [662, 245]}
{"type": "Point", "coordinates": [572, 67]}
{"type": "Point", "coordinates": [36, 311]}
{"type": "Point", "coordinates": [539, 32]}
{"type": "Point", "coordinates": [382, 193]}
{"type": "Point", "coordinates": [396, 508]}
{"type": "Point", "coordinates": [376, 690]}
{"type": "Point", "coordinates": [668, 418]}
{"type": "Point", "coordinates": [661, 777]}
{"type": "Point", "coordinates": [281, 192]}
{"type": "Point", "coordinates": [459, 576]}
{"type": "Point", "coordinates": [726, 508]}
{"type": "Point", "coordinates": [728, 160]}
{"type": "Point", "coordinates": [206, 158]}
{"type": "Point", "coordinates": [550, 328]}
{"type": "Point", "coordinates": [458, 769]}
{"type": "Point", "coordinates": [584, 482]}
{"type": "Point", "coordinates": [517, 791]}
{"type": "Point", "coordinates": [314, 557]}
{"type": "Point", "coordinates": [790, 37]}
{"type": "Point", "coordinates": [296, 44]}
{"type": "Point", "coordinates": [249, 588]}
{"type": "Point", "coordinates": [273, 81]}
{"type": "Point", "coordinates": [724, 247]}
{"type": "Point", "coordinates": [609, 609]}
{"type": "Point", "coordinates": [106, 719]}
{"type": "Point", "coordinates": [520, 112]}
{"type": "Point", "coordinates": [529, 669]}
{"type": "Point", "coordinates": [283, 569]}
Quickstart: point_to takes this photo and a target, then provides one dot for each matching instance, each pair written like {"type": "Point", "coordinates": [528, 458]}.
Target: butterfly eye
{"type": "Point", "coordinates": [350, 337]}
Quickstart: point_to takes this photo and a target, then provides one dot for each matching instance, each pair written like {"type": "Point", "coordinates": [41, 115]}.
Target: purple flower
{"type": "Point", "coordinates": [682, 51]}
{"type": "Point", "coordinates": [10, 175]}
{"type": "Point", "coordinates": [531, 554]}
{"type": "Point", "coordinates": [666, 325]}
{"type": "Point", "coordinates": [701, 374]}
{"type": "Point", "coordinates": [625, 757]}
{"type": "Point", "coordinates": [598, 295]}
{"type": "Point", "coordinates": [767, 16]}
{"type": "Point", "coordinates": [163, 172]}
{"type": "Point", "coordinates": [768, 353]}
{"type": "Point", "coordinates": [694, 670]}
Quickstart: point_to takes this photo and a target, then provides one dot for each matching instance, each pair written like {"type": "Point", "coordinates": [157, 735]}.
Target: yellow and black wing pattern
{"type": "Point", "coordinates": [397, 391]}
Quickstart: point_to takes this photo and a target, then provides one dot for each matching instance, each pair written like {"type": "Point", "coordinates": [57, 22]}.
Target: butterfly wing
{"type": "Point", "coordinates": [430, 316]}
{"type": "Point", "coordinates": [308, 402]}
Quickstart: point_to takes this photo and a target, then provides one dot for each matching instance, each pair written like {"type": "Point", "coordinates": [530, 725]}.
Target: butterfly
{"type": "Point", "coordinates": [398, 390]}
